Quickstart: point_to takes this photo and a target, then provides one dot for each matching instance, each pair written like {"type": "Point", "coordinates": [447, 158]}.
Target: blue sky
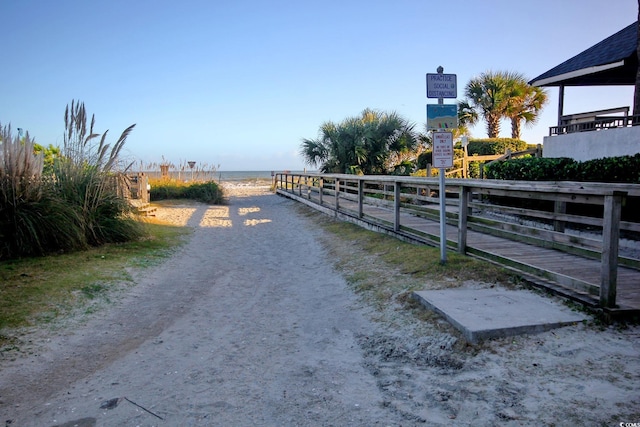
{"type": "Point", "coordinates": [239, 83]}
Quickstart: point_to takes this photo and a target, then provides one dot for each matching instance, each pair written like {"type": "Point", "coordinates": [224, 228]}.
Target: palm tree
{"type": "Point", "coordinates": [362, 144]}
{"type": "Point", "coordinates": [489, 96]}
{"type": "Point", "coordinates": [486, 94]}
{"type": "Point", "coordinates": [524, 105]}
{"type": "Point", "coordinates": [497, 95]}
{"type": "Point", "coordinates": [467, 116]}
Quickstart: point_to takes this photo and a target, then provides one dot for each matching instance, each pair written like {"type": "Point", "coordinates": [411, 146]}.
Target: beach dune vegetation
{"type": "Point", "coordinates": [71, 204]}
{"type": "Point", "coordinates": [372, 143]}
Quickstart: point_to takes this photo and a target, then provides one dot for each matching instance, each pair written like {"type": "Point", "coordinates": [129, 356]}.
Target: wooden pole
{"type": "Point", "coordinates": [463, 211]}
{"type": "Point", "coordinates": [610, 241]}
{"type": "Point", "coordinates": [396, 206]}
{"type": "Point", "coordinates": [336, 187]}
{"type": "Point", "coordinates": [360, 198]}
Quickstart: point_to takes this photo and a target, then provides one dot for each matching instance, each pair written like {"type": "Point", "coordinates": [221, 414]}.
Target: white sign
{"type": "Point", "coordinates": [442, 85]}
{"type": "Point", "coordinates": [442, 150]}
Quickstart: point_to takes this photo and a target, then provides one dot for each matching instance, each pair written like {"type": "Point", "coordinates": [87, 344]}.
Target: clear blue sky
{"type": "Point", "coordinates": [239, 83]}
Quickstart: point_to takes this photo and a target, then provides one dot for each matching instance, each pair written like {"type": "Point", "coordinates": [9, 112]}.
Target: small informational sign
{"type": "Point", "coordinates": [442, 150]}
{"type": "Point", "coordinates": [441, 116]}
{"type": "Point", "coordinates": [442, 85]}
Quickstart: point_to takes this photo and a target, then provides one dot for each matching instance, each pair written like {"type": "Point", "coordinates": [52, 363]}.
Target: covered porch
{"type": "Point", "coordinates": [603, 133]}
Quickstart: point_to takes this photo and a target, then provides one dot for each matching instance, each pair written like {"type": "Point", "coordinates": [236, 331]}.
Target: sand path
{"type": "Point", "coordinates": [249, 324]}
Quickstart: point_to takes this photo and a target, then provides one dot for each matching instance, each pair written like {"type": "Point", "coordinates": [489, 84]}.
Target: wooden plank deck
{"type": "Point", "coordinates": [570, 275]}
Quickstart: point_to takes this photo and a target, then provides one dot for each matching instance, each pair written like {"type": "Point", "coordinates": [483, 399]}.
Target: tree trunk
{"type": "Point", "coordinates": [493, 125]}
{"type": "Point", "coordinates": [516, 125]}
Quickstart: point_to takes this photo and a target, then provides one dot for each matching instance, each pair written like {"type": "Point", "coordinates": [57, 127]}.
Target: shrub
{"type": "Point", "coordinates": [531, 169]}
{"type": "Point", "coordinates": [491, 146]}
{"type": "Point", "coordinates": [403, 169]}
{"type": "Point", "coordinates": [624, 169]}
{"type": "Point", "coordinates": [611, 169]}
{"type": "Point", "coordinates": [207, 192]}
{"type": "Point", "coordinates": [424, 158]}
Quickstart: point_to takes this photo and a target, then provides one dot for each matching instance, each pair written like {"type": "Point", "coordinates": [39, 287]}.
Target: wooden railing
{"type": "Point", "coordinates": [461, 164]}
{"type": "Point", "coordinates": [593, 122]}
{"type": "Point", "coordinates": [545, 214]}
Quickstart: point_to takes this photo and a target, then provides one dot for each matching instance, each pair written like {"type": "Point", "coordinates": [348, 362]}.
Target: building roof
{"type": "Point", "coordinates": [613, 61]}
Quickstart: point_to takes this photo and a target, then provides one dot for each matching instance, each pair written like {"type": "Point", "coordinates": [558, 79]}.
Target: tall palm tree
{"type": "Point", "coordinates": [524, 104]}
{"type": "Point", "coordinates": [487, 95]}
{"type": "Point", "coordinates": [497, 95]}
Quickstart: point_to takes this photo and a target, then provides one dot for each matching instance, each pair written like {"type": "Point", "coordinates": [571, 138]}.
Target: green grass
{"type": "Point", "coordinates": [384, 269]}
{"type": "Point", "coordinates": [39, 290]}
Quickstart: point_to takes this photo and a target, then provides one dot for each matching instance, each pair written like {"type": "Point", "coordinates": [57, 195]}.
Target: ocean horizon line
{"type": "Point", "coordinates": [221, 175]}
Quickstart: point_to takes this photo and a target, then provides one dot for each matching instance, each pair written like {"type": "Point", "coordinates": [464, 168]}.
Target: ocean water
{"type": "Point", "coordinates": [225, 176]}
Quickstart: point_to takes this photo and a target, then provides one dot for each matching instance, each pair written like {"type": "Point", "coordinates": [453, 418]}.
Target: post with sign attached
{"type": "Point", "coordinates": [440, 119]}
{"type": "Point", "coordinates": [443, 159]}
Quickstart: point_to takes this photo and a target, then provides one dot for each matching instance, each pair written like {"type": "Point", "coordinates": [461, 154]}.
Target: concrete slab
{"type": "Point", "coordinates": [495, 313]}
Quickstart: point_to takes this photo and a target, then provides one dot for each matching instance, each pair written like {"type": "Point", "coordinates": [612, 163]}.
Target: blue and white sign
{"type": "Point", "coordinates": [442, 116]}
{"type": "Point", "coordinates": [442, 85]}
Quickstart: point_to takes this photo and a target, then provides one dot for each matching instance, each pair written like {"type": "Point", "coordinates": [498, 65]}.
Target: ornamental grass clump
{"type": "Point", "coordinates": [89, 176]}
{"type": "Point", "coordinates": [75, 203]}
{"type": "Point", "coordinates": [33, 220]}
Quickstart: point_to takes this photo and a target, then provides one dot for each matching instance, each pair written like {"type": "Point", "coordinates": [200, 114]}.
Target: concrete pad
{"type": "Point", "coordinates": [495, 313]}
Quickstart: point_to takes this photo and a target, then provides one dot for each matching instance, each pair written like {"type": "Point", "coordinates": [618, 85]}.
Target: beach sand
{"type": "Point", "coordinates": [251, 323]}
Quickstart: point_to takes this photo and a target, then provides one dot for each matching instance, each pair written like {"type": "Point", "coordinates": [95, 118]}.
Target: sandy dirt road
{"type": "Point", "coordinates": [249, 324]}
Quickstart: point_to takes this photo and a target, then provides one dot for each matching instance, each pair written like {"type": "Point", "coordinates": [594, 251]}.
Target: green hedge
{"type": "Point", "coordinates": [624, 169]}
{"type": "Point", "coordinates": [491, 146]}
{"type": "Point", "coordinates": [207, 192]}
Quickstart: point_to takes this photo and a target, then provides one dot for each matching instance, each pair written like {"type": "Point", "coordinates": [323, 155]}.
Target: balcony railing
{"type": "Point", "coordinates": [595, 120]}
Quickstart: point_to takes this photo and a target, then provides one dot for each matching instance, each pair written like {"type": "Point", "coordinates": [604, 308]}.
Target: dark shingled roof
{"type": "Point", "coordinates": [578, 70]}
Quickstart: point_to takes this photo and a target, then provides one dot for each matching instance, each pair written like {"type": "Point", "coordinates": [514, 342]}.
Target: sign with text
{"type": "Point", "coordinates": [441, 116]}
{"type": "Point", "coordinates": [442, 150]}
{"type": "Point", "coordinates": [442, 85]}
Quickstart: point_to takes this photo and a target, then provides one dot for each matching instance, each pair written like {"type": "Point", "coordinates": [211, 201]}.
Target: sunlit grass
{"type": "Point", "coordinates": [38, 290]}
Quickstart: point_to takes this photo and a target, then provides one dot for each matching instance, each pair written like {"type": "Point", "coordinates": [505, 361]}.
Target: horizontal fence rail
{"type": "Point", "coordinates": [597, 123]}
{"type": "Point", "coordinates": [590, 220]}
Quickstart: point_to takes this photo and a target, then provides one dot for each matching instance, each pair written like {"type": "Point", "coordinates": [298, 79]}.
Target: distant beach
{"type": "Point", "coordinates": [220, 176]}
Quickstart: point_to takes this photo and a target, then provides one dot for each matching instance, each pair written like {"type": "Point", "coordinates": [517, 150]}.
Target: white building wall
{"type": "Point", "coordinates": [583, 146]}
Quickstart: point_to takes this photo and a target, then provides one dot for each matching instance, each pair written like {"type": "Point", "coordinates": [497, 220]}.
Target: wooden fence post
{"type": "Point", "coordinates": [321, 189]}
{"type": "Point", "coordinates": [396, 206]}
{"type": "Point", "coordinates": [559, 208]}
{"type": "Point", "coordinates": [307, 187]}
{"type": "Point", "coordinates": [360, 198]}
{"type": "Point", "coordinates": [336, 187]}
{"type": "Point", "coordinates": [610, 239]}
{"type": "Point", "coordinates": [463, 211]}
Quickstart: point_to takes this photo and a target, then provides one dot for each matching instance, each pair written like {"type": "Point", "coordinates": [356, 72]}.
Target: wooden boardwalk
{"type": "Point", "coordinates": [571, 276]}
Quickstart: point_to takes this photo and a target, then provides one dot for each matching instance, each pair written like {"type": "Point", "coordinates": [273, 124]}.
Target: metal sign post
{"type": "Point", "coordinates": [443, 159]}
{"type": "Point", "coordinates": [442, 86]}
